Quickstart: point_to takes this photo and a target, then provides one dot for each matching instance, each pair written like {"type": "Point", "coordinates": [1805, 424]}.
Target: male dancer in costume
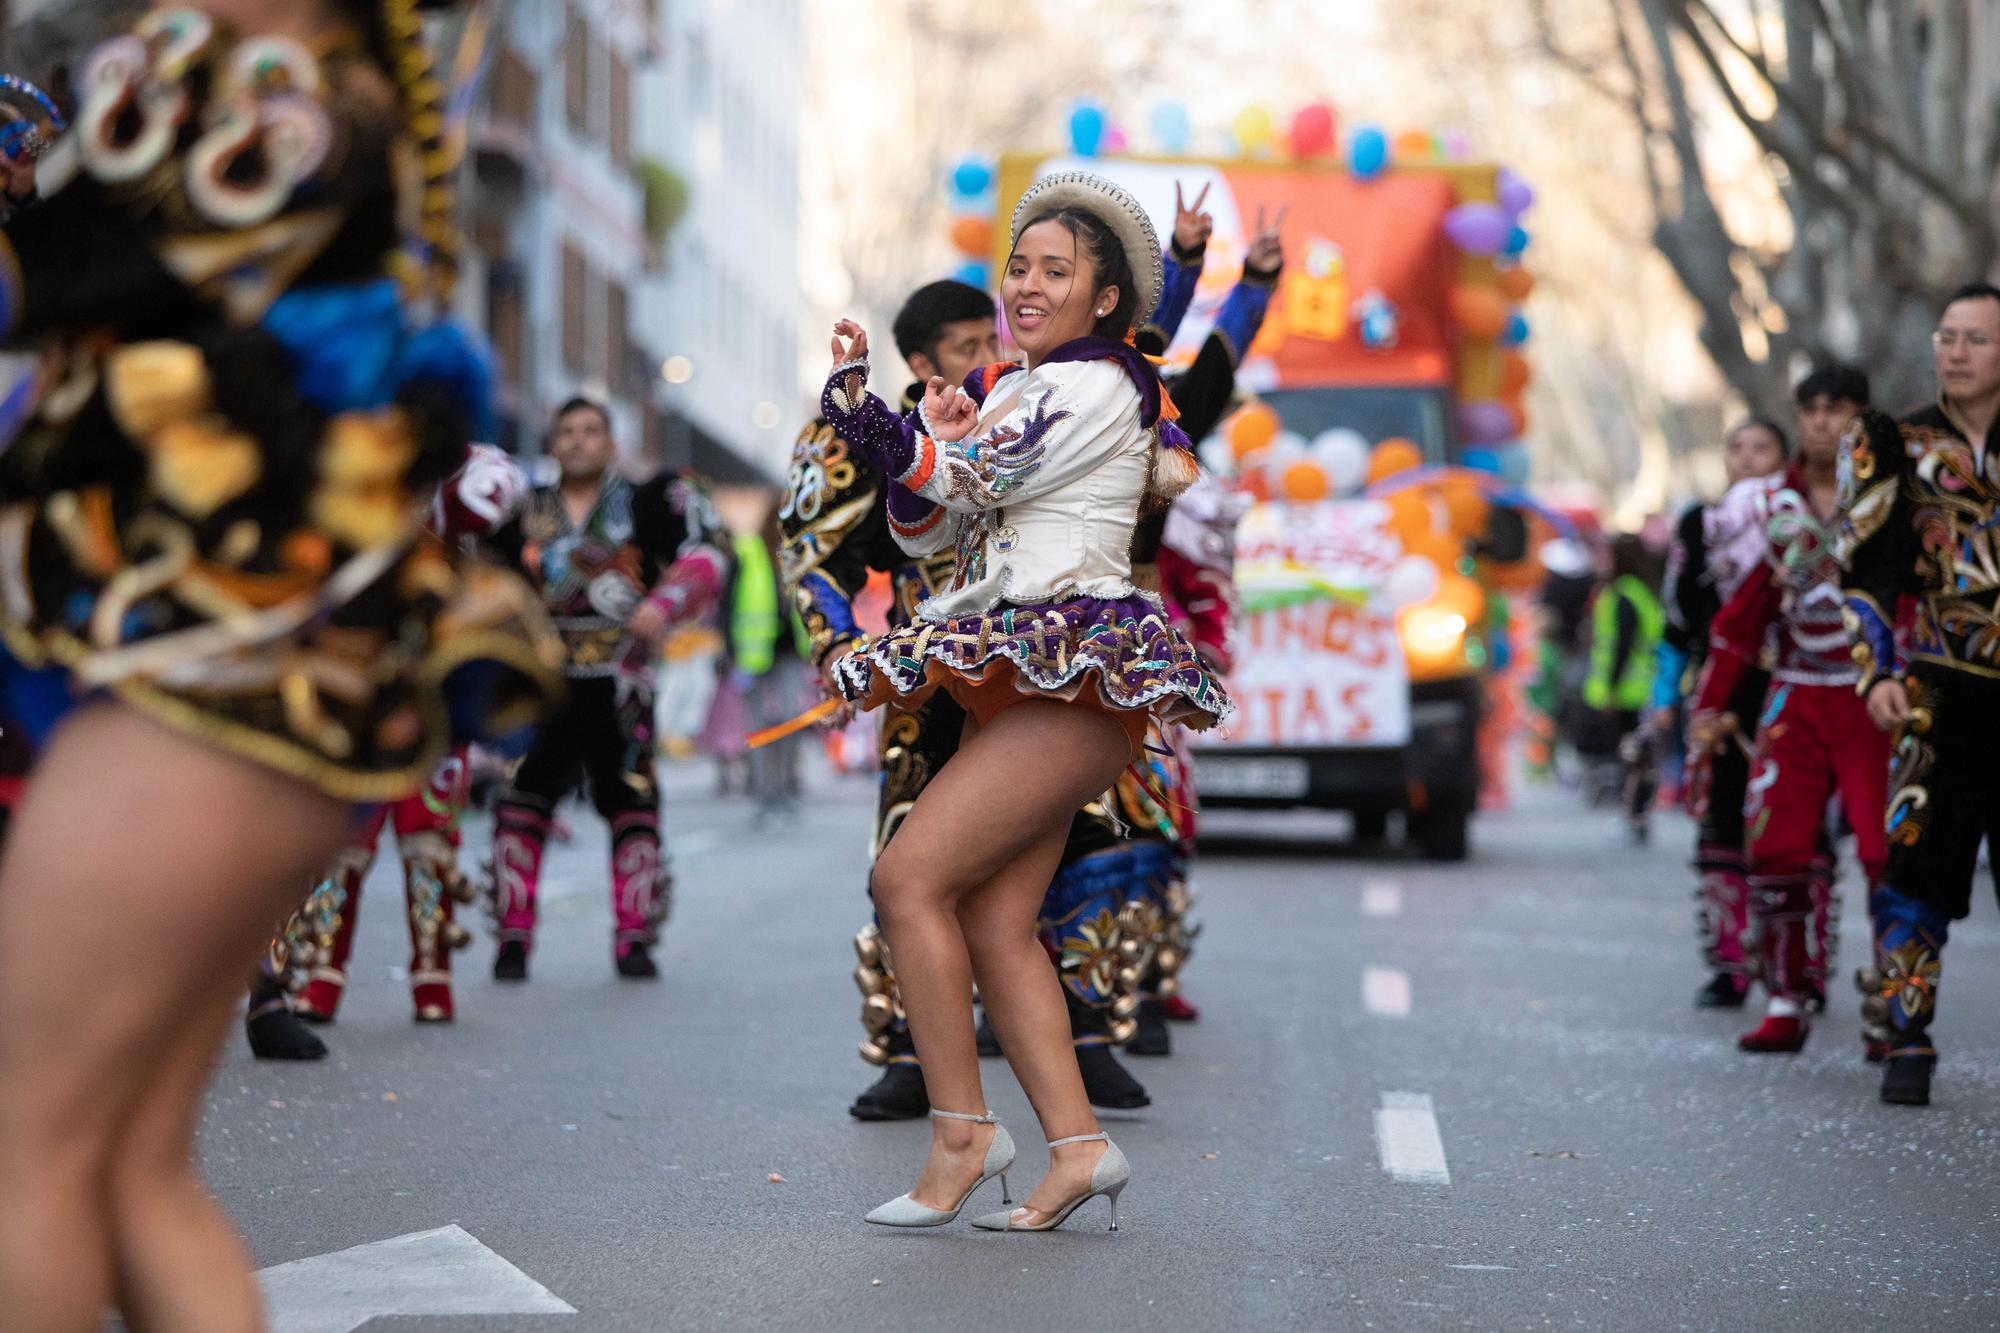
{"type": "Point", "coordinates": [1717, 780]}
{"type": "Point", "coordinates": [619, 565]}
{"type": "Point", "coordinates": [1922, 507]}
{"type": "Point", "coordinates": [1814, 740]}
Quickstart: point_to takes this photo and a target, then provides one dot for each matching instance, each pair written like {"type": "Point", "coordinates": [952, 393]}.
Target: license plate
{"type": "Point", "coordinates": [1219, 775]}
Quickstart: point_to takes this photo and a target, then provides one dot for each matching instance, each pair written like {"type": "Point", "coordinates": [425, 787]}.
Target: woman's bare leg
{"type": "Point", "coordinates": [184, 858]}
{"type": "Point", "coordinates": [997, 811]}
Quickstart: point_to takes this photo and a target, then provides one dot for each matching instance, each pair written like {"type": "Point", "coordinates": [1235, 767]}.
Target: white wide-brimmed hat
{"type": "Point", "coordinates": [1114, 206]}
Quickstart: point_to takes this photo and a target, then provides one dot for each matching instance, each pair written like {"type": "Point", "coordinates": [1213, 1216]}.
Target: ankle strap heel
{"type": "Point", "coordinates": [984, 1118]}
{"type": "Point", "coordinates": [1099, 1137]}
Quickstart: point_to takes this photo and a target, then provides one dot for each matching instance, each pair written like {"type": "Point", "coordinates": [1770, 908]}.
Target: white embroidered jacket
{"type": "Point", "coordinates": [1040, 500]}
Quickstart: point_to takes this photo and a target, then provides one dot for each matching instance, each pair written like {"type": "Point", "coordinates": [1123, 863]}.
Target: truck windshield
{"type": "Point", "coordinates": [1417, 415]}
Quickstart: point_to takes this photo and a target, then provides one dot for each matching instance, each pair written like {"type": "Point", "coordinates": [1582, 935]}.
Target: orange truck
{"type": "Point", "coordinates": [1359, 682]}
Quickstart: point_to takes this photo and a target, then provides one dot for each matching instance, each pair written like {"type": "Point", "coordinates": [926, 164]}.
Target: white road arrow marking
{"type": "Point", "coordinates": [1406, 1135]}
{"type": "Point", "coordinates": [441, 1272]}
{"type": "Point", "coordinates": [1386, 992]}
{"type": "Point", "coordinates": [1381, 898]}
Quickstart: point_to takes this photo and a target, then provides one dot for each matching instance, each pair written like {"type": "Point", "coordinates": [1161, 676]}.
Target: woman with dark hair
{"type": "Point", "coordinates": [225, 619]}
{"type": "Point", "coordinates": [1035, 475]}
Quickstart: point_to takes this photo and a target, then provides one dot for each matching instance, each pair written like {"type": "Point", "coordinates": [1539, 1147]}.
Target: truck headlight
{"type": "Point", "coordinates": [1432, 637]}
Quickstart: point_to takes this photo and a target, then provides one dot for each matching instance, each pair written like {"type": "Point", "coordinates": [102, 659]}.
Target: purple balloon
{"type": "Point", "coordinates": [1516, 195]}
{"type": "Point", "coordinates": [1485, 422]}
{"type": "Point", "coordinates": [1478, 229]}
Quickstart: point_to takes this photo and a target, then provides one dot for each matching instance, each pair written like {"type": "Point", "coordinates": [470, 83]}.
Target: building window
{"type": "Point", "coordinates": [617, 336]}
{"type": "Point", "coordinates": [620, 128]}
{"type": "Point", "coordinates": [514, 89]}
{"type": "Point", "coordinates": [576, 74]}
{"type": "Point", "coordinates": [575, 310]}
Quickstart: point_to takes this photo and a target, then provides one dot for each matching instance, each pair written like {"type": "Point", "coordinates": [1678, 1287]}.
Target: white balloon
{"type": "Point", "coordinates": [1343, 452]}
{"type": "Point", "coordinates": [1411, 580]}
{"type": "Point", "coordinates": [1216, 457]}
{"type": "Point", "coordinates": [1287, 449]}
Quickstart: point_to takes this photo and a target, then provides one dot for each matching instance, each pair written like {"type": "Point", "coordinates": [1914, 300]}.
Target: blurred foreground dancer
{"type": "Point", "coordinates": [213, 531]}
{"type": "Point", "coordinates": [1036, 475]}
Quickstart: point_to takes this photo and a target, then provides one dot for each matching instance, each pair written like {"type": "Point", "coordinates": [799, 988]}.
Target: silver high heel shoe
{"type": "Point", "coordinates": [1109, 1177]}
{"type": "Point", "coordinates": [905, 1211]}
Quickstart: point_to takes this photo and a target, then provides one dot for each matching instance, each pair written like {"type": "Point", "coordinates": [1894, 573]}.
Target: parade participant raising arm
{"type": "Point", "coordinates": [1035, 476]}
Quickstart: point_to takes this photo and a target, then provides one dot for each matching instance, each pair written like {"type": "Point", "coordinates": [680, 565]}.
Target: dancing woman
{"type": "Point", "coordinates": [1035, 475]}
{"type": "Point", "coordinates": [218, 595]}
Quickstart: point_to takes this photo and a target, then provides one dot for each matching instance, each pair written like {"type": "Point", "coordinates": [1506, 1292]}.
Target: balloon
{"type": "Point", "coordinates": [1517, 418]}
{"type": "Point", "coordinates": [1458, 593]}
{"type": "Point", "coordinates": [1288, 448]}
{"type": "Point", "coordinates": [1344, 455]}
{"type": "Point", "coordinates": [1517, 241]}
{"type": "Point", "coordinates": [1517, 330]}
{"type": "Point", "coordinates": [1312, 130]}
{"type": "Point", "coordinates": [1255, 128]}
{"type": "Point", "coordinates": [1410, 518]}
{"type": "Point", "coordinates": [973, 274]}
{"type": "Point", "coordinates": [1216, 456]}
{"type": "Point", "coordinates": [1367, 153]}
{"type": "Point", "coordinates": [1252, 428]}
{"type": "Point", "coordinates": [1392, 456]}
{"type": "Point", "coordinates": [1515, 374]}
{"type": "Point", "coordinates": [1485, 421]}
{"type": "Point", "coordinates": [1306, 481]}
{"type": "Point", "coordinates": [1516, 195]}
{"type": "Point", "coordinates": [1252, 483]}
{"type": "Point", "coordinates": [1465, 505]}
{"type": "Point", "coordinates": [1171, 129]}
{"type": "Point", "coordinates": [1115, 141]}
{"type": "Point", "coordinates": [972, 234]}
{"type": "Point", "coordinates": [1410, 580]}
{"type": "Point", "coordinates": [1415, 146]}
{"type": "Point", "coordinates": [1516, 284]}
{"type": "Point", "coordinates": [1514, 464]}
{"type": "Point", "coordinates": [1087, 123]}
{"type": "Point", "coordinates": [1481, 460]}
{"type": "Point", "coordinates": [1479, 311]}
{"type": "Point", "coordinates": [1477, 229]}
{"type": "Point", "coordinates": [972, 177]}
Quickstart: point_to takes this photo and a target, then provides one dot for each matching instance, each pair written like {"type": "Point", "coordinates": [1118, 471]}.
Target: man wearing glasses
{"type": "Point", "coordinates": [1920, 508]}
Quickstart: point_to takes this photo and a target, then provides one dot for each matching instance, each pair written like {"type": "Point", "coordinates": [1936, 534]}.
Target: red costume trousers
{"type": "Point", "coordinates": [426, 827]}
{"type": "Point", "coordinates": [1814, 742]}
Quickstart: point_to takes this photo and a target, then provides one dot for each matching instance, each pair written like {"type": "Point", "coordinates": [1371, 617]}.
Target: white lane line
{"type": "Point", "coordinates": [1406, 1136]}
{"type": "Point", "coordinates": [1381, 898]}
{"type": "Point", "coordinates": [442, 1272]}
{"type": "Point", "coordinates": [1386, 992]}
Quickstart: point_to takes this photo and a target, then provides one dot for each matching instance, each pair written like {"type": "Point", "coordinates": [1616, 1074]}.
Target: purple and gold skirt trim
{"type": "Point", "coordinates": [1120, 655]}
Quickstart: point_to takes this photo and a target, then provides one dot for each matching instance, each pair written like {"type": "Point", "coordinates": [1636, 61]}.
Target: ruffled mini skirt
{"type": "Point", "coordinates": [1119, 655]}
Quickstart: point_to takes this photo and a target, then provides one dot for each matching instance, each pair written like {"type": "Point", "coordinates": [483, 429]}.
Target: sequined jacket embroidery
{"type": "Point", "coordinates": [1919, 514]}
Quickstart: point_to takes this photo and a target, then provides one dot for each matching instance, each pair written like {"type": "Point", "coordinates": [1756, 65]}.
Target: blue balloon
{"type": "Point", "coordinates": [1171, 128]}
{"type": "Point", "coordinates": [1367, 153]}
{"type": "Point", "coordinates": [973, 273]}
{"type": "Point", "coordinates": [1517, 241]}
{"type": "Point", "coordinates": [1517, 330]}
{"type": "Point", "coordinates": [1513, 464]}
{"type": "Point", "coordinates": [1087, 123]}
{"type": "Point", "coordinates": [1481, 460]}
{"type": "Point", "coordinates": [972, 177]}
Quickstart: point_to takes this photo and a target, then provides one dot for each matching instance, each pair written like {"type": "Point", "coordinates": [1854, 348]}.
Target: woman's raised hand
{"type": "Point", "coordinates": [850, 342]}
{"type": "Point", "coordinates": [950, 411]}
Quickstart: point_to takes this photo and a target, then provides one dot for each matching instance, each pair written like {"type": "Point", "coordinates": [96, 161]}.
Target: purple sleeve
{"type": "Point", "coordinates": [865, 421]}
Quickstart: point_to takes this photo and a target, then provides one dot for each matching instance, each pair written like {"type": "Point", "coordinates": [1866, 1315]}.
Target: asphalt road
{"type": "Point", "coordinates": [1471, 1096]}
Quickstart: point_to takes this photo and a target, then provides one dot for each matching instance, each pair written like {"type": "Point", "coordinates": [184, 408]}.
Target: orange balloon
{"type": "Point", "coordinates": [1480, 312]}
{"type": "Point", "coordinates": [1518, 416]}
{"type": "Point", "coordinates": [1415, 146]}
{"type": "Point", "coordinates": [1515, 374]}
{"type": "Point", "coordinates": [1392, 456]}
{"type": "Point", "coordinates": [1465, 506]}
{"type": "Point", "coordinates": [1458, 593]}
{"type": "Point", "coordinates": [1516, 284]}
{"type": "Point", "coordinates": [972, 235]}
{"type": "Point", "coordinates": [1410, 516]}
{"type": "Point", "coordinates": [1306, 481]}
{"type": "Point", "coordinates": [1251, 429]}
